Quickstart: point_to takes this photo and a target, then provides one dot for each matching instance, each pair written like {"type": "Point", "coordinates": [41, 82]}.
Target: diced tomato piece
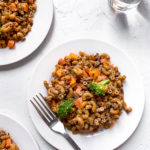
{"type": "Point", "coordinates": [8, 142]}
{"type": "Point", "coordinates": [78, 90]}
{"type": "Point", "coordinates": [61, 61]}
{"type": "Point", "coordinates": [12, 7]}
{"type": "Point", "coordinates": [11, 43]}
{"type": "Point", "coordinates": [31, 1]}
{"type": "Point", "coordinates": [24, 6]}
{"type": "Point", "coordinates": [78, 102]}
{"type": "Point", "coordinates": [85, 73]}
{"type": "Point", "coordinates": [103, 60]}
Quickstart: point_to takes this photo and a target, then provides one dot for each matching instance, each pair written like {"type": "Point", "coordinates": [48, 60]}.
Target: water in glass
{"type": "Point", "coordinates": [123, 5]}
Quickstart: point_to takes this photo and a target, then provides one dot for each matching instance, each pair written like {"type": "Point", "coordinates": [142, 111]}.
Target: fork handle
{"type": "Point", "coordinates": [71, 141]}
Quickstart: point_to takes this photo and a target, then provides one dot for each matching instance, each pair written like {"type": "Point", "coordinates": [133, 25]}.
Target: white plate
{"type": "Point", "coordinates": [19, 134]}
{"type": "Point", "coordinates": [133, 88]}
{"type": "Point", "coordinates": [41, 23]}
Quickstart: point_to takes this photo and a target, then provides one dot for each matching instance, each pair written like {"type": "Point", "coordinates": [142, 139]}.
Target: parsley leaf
{"type": "Point", "coordinates": [65, 107]}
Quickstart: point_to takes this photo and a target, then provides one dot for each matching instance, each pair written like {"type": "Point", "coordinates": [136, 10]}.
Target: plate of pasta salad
{"type": "Point", "coordinates": [94, 89]}
{"type": "Point", "coordinates": [23, 27]}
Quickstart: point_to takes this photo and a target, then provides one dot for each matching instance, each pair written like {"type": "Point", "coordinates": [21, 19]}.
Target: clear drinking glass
{"type": "Point", "coordinates": [123, 5]}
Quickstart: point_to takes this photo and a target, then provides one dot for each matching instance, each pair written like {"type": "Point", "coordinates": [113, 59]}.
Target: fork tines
{"type": "Point", "coordinates": [43, 110]}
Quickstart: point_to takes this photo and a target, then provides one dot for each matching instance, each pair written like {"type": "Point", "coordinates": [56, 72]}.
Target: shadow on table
{"type": "Point", "coordinates": [121, 21]}
{"type": "Point", "coordinates": [34, 54]}
{"type": "Point", "coordinates": [144, 10]}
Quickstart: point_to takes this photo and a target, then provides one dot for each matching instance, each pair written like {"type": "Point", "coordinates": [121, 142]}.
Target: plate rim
{"type": "Point", "coordinates": [88, 39]}
{"type": "Point", "coordinates": [37, 46]}
{"type": "Point", "coordinates": [7, 115]}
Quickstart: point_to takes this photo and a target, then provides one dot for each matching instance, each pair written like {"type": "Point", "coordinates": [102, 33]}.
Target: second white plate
{"type": "Point", "coordinates": [41, 24]}
{"type": "Point", "coordinates": [133, 89]}
{"type": "Point", "coordinates": [18, 133]}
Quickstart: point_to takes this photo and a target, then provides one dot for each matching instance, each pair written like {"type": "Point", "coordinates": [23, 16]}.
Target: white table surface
{"type": "Point", "coordinates": [75, 19]}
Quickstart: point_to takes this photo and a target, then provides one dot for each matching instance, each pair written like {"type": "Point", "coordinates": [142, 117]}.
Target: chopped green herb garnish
{"type": "Point", "coordinates": [65, 107]}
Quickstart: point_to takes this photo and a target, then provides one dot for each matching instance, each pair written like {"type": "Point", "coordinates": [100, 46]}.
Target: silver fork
{"type": "Point", "coordinates": [51, 120]}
